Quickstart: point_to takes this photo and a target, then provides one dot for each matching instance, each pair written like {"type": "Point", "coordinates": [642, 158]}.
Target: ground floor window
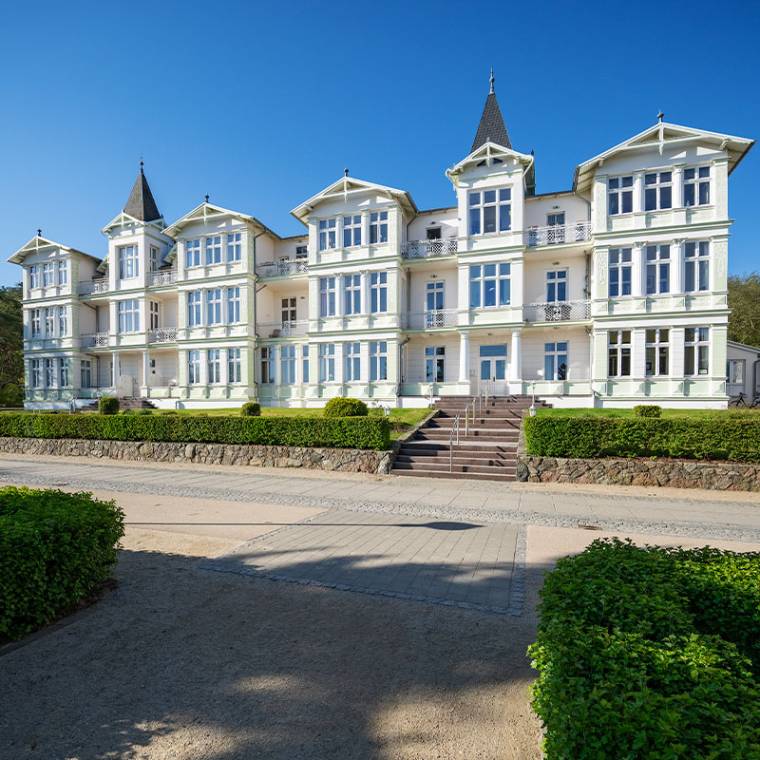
{"type": "Point", "coordinates": [288, 365]}
{"type": "Point", "coordinates": [305, 363]}
{"type": "Point", "coordinates": [267, 364]}
{"type": "Point", "coordinates": [378, 360]}
{"type": "Point", "coordinates": [233, 365]}
{"type": "Point", "coordinates": [696, 351]}
{"type": "Point", "coordinates": [85, 371]}
{"type": "Point", "coordinates": [49, 372]}
{"type": "Point", "coordinates": [619, 353]}
{"type": "Point", "coordinates": [214, 358]}
{"type": "Point", "coordinates": [493, 362]}
{"type": "Point", "coordinates": [657, 352]}
{"type": "Point", "coordinates": [36, 374]}
{"type": "Point", "coordinates": [435, 364]}
{"type": "Point", "coordinates": [555, 361]}
{"type": "Point", "coordinates": [352, 362]}
{"type": "Point", "coordinates": [193, 367]}
{"type": "Point", "coordinates": [63, 372]}
{"type": "Point", "coordinates": [326, 362]}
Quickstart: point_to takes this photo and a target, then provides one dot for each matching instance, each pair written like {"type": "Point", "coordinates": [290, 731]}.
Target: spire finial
{"type": "Point", "coordinates": [491, 80]}
{"type": "Point", "coordinates": [206, 197]}
{"type": "Point", "coordinates": [142, 165]}
{"type": "Point", "coordinates": [660, 116]}
{"type": "Point", "coordinates": [39, 233]}
{"type": "Point", "coordinates": [345, 172]}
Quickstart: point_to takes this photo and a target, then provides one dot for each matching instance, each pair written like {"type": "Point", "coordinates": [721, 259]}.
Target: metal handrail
{"type": "Point", "coordinates": [452, 435]}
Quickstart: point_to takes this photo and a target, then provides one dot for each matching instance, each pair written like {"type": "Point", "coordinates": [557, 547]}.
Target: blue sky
{"type": "Point", "coordinates": [262, 105]}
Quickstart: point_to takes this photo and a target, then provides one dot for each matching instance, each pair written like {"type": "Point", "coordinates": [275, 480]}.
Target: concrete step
{"type": "Point", "coordinates": [458, 464]}
{"type": "Point", "coordinates": [427, 455]}
{"type": "Point", "coordinates": [442, 434]}
{"type": "Point", "coordinates": [506, 478]}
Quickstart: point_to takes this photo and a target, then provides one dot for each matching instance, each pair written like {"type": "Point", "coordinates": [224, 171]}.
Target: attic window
{"type": "Point", "coordinates": [301, 252]}
{"type": "Point", "coordinates": [433, 233]}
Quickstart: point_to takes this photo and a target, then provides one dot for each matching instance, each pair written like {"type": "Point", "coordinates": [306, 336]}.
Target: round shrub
{"type": "Point", "coordinates": [250, 409]}
{"type": "Point", "coordinates": [647, 410]}
{"type": "Point", "coordinates": [345, 407]}
{"type": "Point", "coordinates": [108, 405]}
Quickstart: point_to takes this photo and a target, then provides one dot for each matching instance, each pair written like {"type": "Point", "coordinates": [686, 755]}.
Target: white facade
{"type": "Point", "coordinates": [607, 294]}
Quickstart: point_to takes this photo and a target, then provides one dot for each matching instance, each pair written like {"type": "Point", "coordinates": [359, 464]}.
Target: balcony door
{"type": "Point", "coordinates": [555, 232]}
{"type": "Point", "coordinates": [493, 368]}
{"type": "Point", "coordinates": [435, 298]}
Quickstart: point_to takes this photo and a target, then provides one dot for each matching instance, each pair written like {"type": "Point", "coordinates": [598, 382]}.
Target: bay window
{"type": "Point", "coordinates": [34, 277]}
{"type": "Point", "coordinates": [192, 253]}
{"type": "Point", "coordinates": [620, 195]}
{"type": "Point", "coordinates": [36, 374]}
{"type": "Point", "coordinates": [214, 249]}
{"type": "Point", "coordinates": [352, 231]}
{"type": "Point", "coordinates": [194, 308]}
{"type": "Point", "coordinates": [234, 246]}
{"type": "Point", "coordinates": [214, 306]}
{"type": "Point", "coordinates": [378, 360]}
{"type": "Point", "coordinates": [619, 353]}
{"type": "Point", "coordinates": [85, 373]}
{"type": "Point", "coordinates": [619, 262]}
{"type": "Point", "coordinates": [378, 284]}
{"type": "Point", "coordinates": [696, 351]}
{"type": "Point", "coordinates": [657, 351]}
{"type": "Point", "coordinates": [696, 266]}
{"type": "Point", "coordinates": [129, 265]}
{"type": "Point", "coordinates": [49, 371]}
{"type": "Point", "coordinates": [352, 362]}
{"type": "Point", "coordinates": [233, 305]}
{"type": "Point", "coordinates": [658, 269]}
{"type": "Point", "coordinates": [378, 227]}
{"type": "Point", "coordinates": [489, 285]}
{"type": "Point", "coordinates": [63, 372]}
{"type": "Point", "coordinates": [327, 233]}
{"type": "Point", "coordinates": [490, 211]}
{"type": "Point", "coordinates": [63, 272]}
{"type": "Point", "coordinates": [50, 322]}
{"type": "Point", "coordinates": [36, 322]}
{"type": "Point", "coordinates": [696, 186]}
{"type": "Point", "coordinates": [129, 315]}
{"type": "Point", "coordinates": [47, 274]}
{"type": "Point", "coordinates": [63, 322]}
{"type": "Point", "coordinates": [658, 191]}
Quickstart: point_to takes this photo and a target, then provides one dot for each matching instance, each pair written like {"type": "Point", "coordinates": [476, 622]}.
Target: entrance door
{"type": "Point", "coordinates": [493, 368]}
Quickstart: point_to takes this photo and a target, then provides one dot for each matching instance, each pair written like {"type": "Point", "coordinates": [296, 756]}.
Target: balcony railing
{"type": "Point", "coordinates": [96, 340]}
{"type": "Point", "coordinates": [425, 249]}
{"type": "Point", "coordinates": [284, 329]}
{"type": "Point", "coordinates": [566, 311]}
{"type": "Point", "coordinates": [163, 335]}
{"type": "Point", "coordinates": [559, 234]}
{"type": "Point", "coordinates": [429, 320]}
{"type": "Point", "coordinates": [93, 286]}
{"type": "Point", "coordinates": [163, 277]}
{"type": "Point", "coordinates": [282, 268]}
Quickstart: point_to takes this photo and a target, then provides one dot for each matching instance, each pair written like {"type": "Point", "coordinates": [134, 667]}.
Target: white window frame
{"type": "Point", "coordinates": [305, 363]}
{"type": "Point", "coordinates": [556, 280]}
{"type": "Point", "coordinates": [154, 258]}
{"type": "Point", "coordinates": [233, 366]}
{"type": "Point", "coordinates": [328, 234]}
{"type": "Point", "coordinates": [214, 313]}
{"type": "Point", "coordinates": [288, 311]}
{"type": "Point", "coordinates": [352, 362]}
{"type": "Point", "coordinates": [620, 260]}
{"type": "Point", "coordinates": [129, 262]}
{"type": "Point", "coordinates": [34, 277]}
{"type": "Point", "coordinates": [554, 352]}
{"type": "Point", "coordinates": [695, 180]}
{"type": "Point", "coordinates": [657, 352]}
{"type": "Point", "coordinates": [267, 365]}
{"type": "Point", "coordinates": [154, 314]}
{"type": "Point", "coordinates": [658, 190]}
{"type": "Point", "coordinates": [213, 246]}
{"type": "Point", "coordinates": [233, 304]}
{"type": "Point", "coordinates": [620, 195]}
{"type": "Point", "coordinates": [35, 373]}
{"type": "Point", "coordinates": [48, 371]}
{"type": "Point", "coordinates": [128, 316]}
{"type": "Point", "coordinates": [378, 360]}
{"type": "Point", "coordinates": [696, 256]}
{"type": "Point", "coordinates": [736, 371]}
{"type": "Point", "coordinates": [194, 308]}
{"type": "Point", "coordinates": [327, 296]}
{"type": "Point", "coordinates": [435, 364]}
{"type": "Point", "coordinates": [48, 275]}
{"type": "Point", "coordinates": [619, 347]}
{"type": "Point", "coordinates": [63, 272]}
{"type": "Point", "coordinates": [490, 207]}
{"type": "Point", "coordinates": [480, 277]}
{"type": "Point", "coordinates": [657, 262]}
{"type": "Point", "coordinates": [326, 362]}
{"type": "Point", "coordinates": [352, 231]}
{"type": "Point", "coordinates": [62, 321]}
{"type": "Point", "coordinates": [194, 367]}
{"type": "Point", "coordinates": [696, 351]}
{"type": "Point", "coordinates": [36, 323]}
{"type": "Point", "coordinates": [378, 227]}
{"type": "Point", "coordinates": [214, 365]}
{"type": "Point", "coordinates": [234, 246]}
{"type": "Point", "coordinates": [85, 373]}
{"type": "Point", "coordinates": [50, 322]}
{"type": "Point", "coordinates": [193, 253]}
{"type": "Point", "coordinates": [352, 294]}
{"type": "Point", "coordinates": [378, 292]}
{"type": "Point", "coordinates": [64, 374]}
{"type": "Point", "coordinates": [288, 364]}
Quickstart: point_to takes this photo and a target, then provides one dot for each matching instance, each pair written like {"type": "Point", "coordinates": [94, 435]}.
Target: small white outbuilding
{"type": "Point", "coordinates": [743, 370]}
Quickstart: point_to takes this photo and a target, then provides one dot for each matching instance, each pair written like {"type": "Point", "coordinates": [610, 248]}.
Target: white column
{"type": "Point", "coordinates": [464, 357]}
{"type": "Point", "coordinates": [515, 365]}
{"type": "Point", "coordinates": [638, 353]}
{"type": "Point", "coordinates": [115, 369]}
{"type": "Point", "coordinates": [638, 271]}
{"type": "Point", "coordinates": [113, 317]}
{"type": "Point", "coordinates": [145, 368]}
{"type": "Point", "coordinates": [339, 360]}
{"type": "Point", "coordinates": [274, 357]}
{"type": "Point", "coordinates": [676, 266]}
{"type": "Point", "coordinates": [204, 367]}
{"type": "Point", "coordinates": [365, 227]}
{"type": "Point", "coordinates": [339, 296]}
{"type": "Point", "coordinates": [677, 183]}
{"type": "Point", "coordinates": [364, 360]}
{"type": "Point", "coordinates": [638, 192]}
{"type": "Point", "coordinates": [365, 290]}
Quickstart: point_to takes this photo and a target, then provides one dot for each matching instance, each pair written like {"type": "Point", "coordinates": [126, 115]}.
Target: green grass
{"type": "Point", "coordinates": [629, 412]}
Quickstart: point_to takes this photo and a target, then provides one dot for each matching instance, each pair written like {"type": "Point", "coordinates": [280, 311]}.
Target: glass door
{"type": "Point", "coordinates": [434, 301]}
{"type": "Point", "coordinates": [493, 368]}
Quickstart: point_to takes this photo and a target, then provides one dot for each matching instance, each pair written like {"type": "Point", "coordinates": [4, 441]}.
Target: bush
{"type": "Point", "coordinates": [127, 411]}
{"type": "Point", "coordinates": [344, 433]}
{"type": "Point", "coordinates": [250, 409]}
{"type": "Point", "coordinates": [733, 437]}
{"type": "Point", "coordinates": [647, 410]}
{"type": "Point", "coordinates": [108, 405]}
{"type": "Point", "coordinates": [55, 550]}
{"type": "Point", "coordinates": [345, 407]}
{"type": "Point", "coordinates": [144, 411]}
{"type": "Point", "coordinates": [649, 653]}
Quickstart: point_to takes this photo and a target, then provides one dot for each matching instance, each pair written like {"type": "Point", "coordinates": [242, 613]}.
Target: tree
{"type": "Point", "coordinates": [11, 347]}
{"type": "Point", "coordinates": [744, 302]}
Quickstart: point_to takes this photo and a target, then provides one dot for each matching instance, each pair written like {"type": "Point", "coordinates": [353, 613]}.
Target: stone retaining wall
{"type": "Point", "coordinates": [339, 460]}
{"type": "Point", "coordinates": [674, 473]}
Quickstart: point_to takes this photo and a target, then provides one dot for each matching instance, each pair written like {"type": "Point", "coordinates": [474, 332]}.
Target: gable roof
{"type": "Point", "coordinates": [488, 151]}
{"type": "Point", "coordinates": [38, 243]}
{"type": "Point", "coordinates": [208, 211]}
{"type": "Point", "coordinates": [141, 204]}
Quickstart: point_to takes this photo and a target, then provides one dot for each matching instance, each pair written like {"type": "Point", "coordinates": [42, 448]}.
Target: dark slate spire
{"type": "Point", "coordinates": [141, 204]}
{"type": "Point", "coordinates": [491, 127]}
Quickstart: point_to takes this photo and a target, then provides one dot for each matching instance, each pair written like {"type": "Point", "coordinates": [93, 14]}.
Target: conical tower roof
{"type": "Point", "coordinates": [491, 127]}
{"type": "Point", "coordinates": [141, 204]}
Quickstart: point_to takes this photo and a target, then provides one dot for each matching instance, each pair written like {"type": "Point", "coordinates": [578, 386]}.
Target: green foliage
{"type": "Point", "coordinates": [11, 347]}
{"type": "Point", "coordinates": [734, 437]}
{"type": "Point", "coordinates": [55, 550]}
{"type": "Point", "coordinates": [647, 410]}
{"type": "Point", "coordinates": [344, 433]}
{"type": "Point", "coordinates": [650, 653]}
{"type": "Point", "coordinates": [250, 409]}
{"type": "Point", "coordinates": [108, 405]}
{"type": "Point", "coordinates": [345, 407]}
{"type": "Point", "coordinates": [744, 302]}
{"type": "Point", "coordinates": [144, 411]}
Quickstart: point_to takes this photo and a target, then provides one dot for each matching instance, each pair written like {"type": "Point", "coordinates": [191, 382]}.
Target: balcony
{"type": "Point", "coordinates": [566, 311]}
{"type": "Point", "coordinates": [96, 340]}
{"type": "Point", "coordinates": [282, 268]}
{"type": "Point", "coordinates": [428, 249]}
{"type": "Point", "coordinates": [163, 335]}
{"type": "Point", "coordinates": [93, 286]}
{"type": "Point", "coordinates": [162, 277]}
{"type": "Point", "coordinates": [284, 329]}
{"type": "Point", "coordinates": [560, 234]}
{"type": "Point", "coordinates": [429, 320]}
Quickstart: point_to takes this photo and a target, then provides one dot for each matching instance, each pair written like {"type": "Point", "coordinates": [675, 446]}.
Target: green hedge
{"type": "Point", "coordinates": [55, 550]}
{"type": "Point", "coordinates": [343, 433]}
{"type": "Point", "coordinates": [108, 405]}
{"type": "Point", "coordinates": [735, 437]}
{"type": "Point", "coordinates": [650, 653]}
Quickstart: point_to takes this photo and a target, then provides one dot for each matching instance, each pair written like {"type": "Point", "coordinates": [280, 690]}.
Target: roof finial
{"type": "Point", "coordinates": [491, 80]}
{"type": "Point", "coordinates": [142, 165]}
{"type": "Point", "coordinates": [660, 116]}
{"type": "Point", "coordinates": [206, 197]}
{"type": "Point", "coordinates": [39, 233]}
{"type": "Point", "coordinates": [345, 172]}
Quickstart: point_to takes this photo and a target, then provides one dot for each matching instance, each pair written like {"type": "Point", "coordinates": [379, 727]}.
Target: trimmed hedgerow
{"type": "Point", "coordinates": [55, 550]}
{"type": "Point", "coordinates": [647, 410]}
{"type": "Point", "coordinates": [733, 437]}
{"type": "Point", "coordinates": [345, 407]}
{"type": "Point", "coordinates": [649, 653]}
{"type": "Point", "coordinates": [108, 405]}
{"type": "Point", "coordinates": [342, 433]}
{"type": "Point", "coordinates": [250, 409]}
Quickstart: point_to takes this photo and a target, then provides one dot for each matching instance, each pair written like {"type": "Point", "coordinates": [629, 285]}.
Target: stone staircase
{"type": "Point", "coordinates": [487, 452]}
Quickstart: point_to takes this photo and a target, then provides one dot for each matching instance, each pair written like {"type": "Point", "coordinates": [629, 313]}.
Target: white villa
{"type": "Point", "coordinates": [610, 293]}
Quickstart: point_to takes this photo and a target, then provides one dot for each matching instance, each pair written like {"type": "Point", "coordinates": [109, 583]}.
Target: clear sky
{"type": "Point", "coordinates": [261, 105]}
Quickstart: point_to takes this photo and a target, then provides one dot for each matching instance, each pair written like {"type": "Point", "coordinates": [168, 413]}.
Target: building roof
{"type": "Point", "coordinates": [491, 127]}
{"type": "Point", "coordinates": [141, 204]}
{"type": "Point", "coordinates": [38, 243]}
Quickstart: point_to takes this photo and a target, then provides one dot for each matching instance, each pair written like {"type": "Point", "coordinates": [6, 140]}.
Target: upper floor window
{"type": "Point", "coordinates": [658, 190]}
{"type": "Point", "coordinates": [154, 315]}
{"type": "Point", "coordinates": [192, 253]}
{"type": "Point", "coordinates": [696, 350]}
{"type": "Point", "coordinates": [352, 292]}
{"type": "Point", "coordinates": [490, 211]}
{"type": "Point", "coordinates": [194, 308]}
{"type": "Point", "coordinates": [489, 285]}
{"type": "Point", "coordinates": [620, 195]}
{"type": "Point", "coordinates": [378, 292]}
{"type": "Point", "coordinates": [233, 305]}
{"type": "Point", "coordinates": [34, 277]}
{"type": "Point", "coordinates": [288, 364]}
{"type": "Point", "coordinates": [63, 321]}
{"type": "Point", "coordinates": [658, 269]}
{"type": "Point", "coordinates": [435, 295]}
{"type": "Point", "coordinates": [155, 262]}
{"type": "Point", "coordinates": [656, 351]}
{"type": "Point", "coordinates": [63, 272]}
{"type": "Point", "coordinates": [129, 265]}
{"type": "Point", "coordinates": [129, 315]}
{"type": "Point", "coordinates": [326, 362]}
{"type": "Point", "coordinates": [49, 368]}
{"type": "Point", "coordinates": [378, 360]}
{"type": "Point", "coordinates": [555, 361]}
{"type": "Point", "coordinates": [193, 367]}
{"type": "Point", "coordinates": [327, 233]}
{"type": "Point", "coordinates": [233, 365]}
{"type": "Point", "coordinates": [378, 227]}
{"type": "Point", "coordinates": [556, 286]}
{"type": "Point", "coordinates": [696, 186]}
{"type": "Point", "coordinates": [352, 362]}
{"type": "Point", "coordinates": [619, 353]}
{"type": "Point", "coordinates": [327, 296]}
{"type": "Point", "coordinates": [288, 310]}
{"type": "Point", "coordinates": [49, 322]}
{"type": "Point", "coordinates": [214, 365]}
{"type": "Point", "coordinates": [214, 306]}
{"type": "Point", "coordinates": [214, 249]}
{"type": "Point", "coordinates": [352, 230]}
{"type": "Point", "coordinates": [696, 266]}
{"type": "Point", "coordinates": [302, 252]}
{"type": "Point", "coordinates": [234, 246]}
{"type": "Point", "coordinates": [36, 322]}
{"type": "Point", "coordinates": [48, 274]}
{"type": "Point", "coordinates": [619, 260]}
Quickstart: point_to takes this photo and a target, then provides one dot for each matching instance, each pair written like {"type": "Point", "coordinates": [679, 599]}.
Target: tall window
{"type": "Point", "coordinates": [234, 246]}
{"type": "Point", "coordinates": [267, 364]}
{"type": "Point", "coordinates": [619, 271]}
{"type": "Point", "coordinates": [214, 249]}
{"type": "Point", "coordinates": [85, 373]}
{"type": "Point", "coordinates": [327, 296]}
{"type": "Point", "coordinates": [34, 277]}
{"type": "Point", "coordinates": [49, 369]}
{"type": "Point", "coordinates": [696, 186]}
{"type": "Point", "coordinates": [63, 372]}
{"type": "Point", "coordinates": [556, 286]}
{"type": "Point", "coordinates": [657, 351]}
{"type": "Point", "coordinates": [193, 367]}
{"type": "Point", "coordinates": [288, 311]}
{"type": "Point", "coordinates": [555, 361]}
{"type": "Point", "coordinates": [352, 293]}
{"type": "Point", "coordinates": [305, 363]}
{"type": "Point", "coordinates": [696, 266]}
{"type": "Point", "coordinates": [352, 362]}
{"type": "Point", "coordinates": [63, 321]}
{"type": "Point", "coordinates": [326, 362]}
{"type": "Point", "coordinates": [50, 322]}
{"type": "Point", "coordinates": [378, 227]}
{"type": "Point", "coordinates": [490, 211]}
{"type": "Point", "coordinates": [620, 195]}
{"type": "Point", "coordinates": [435, 364]}
{"type": "Point", "coordinates": [619, 353]}
{"type": "Point", "coordinates": [47, 274]}
{"type": "Point", "coordinates": [434, 301]}
{"type": "Point", "coordinates": [36, 374]}
{"type": "Point", "coordinates": [194, 308]}
{"type": "Point", "coordinates": [233, 305]}
{"type": "Point", "coordinates": [288, 364]}
{"type": "Point", "coordinates": [352, 230]}
{"type": "Point", "coordinates": [154, 262]}
{"type": "Point", "coordinates": [129, 265]}
{"type": "Point", "coordinates": [658, 269]}
{"type": "Point", "coordinates": [192, 253]}
{"type": "Point", "coordinates": [214, 363]}
{"type": "Point", "coordinates": [378, 291]}
{"type": "Point", "coordinates": [36, 322]}
{"type": "Point", "coordinates": [489, 285]}
{"type": "Point", "coordinates": [696, 351]}
{"type": "Point", "coordinates": [129, 315]}
{"type": "Point", "coordinates": [214, 306]}
{"type": "Point", "coordinates": [378, 360]}
{"type": "Point", "coordinates": [154, 321]}
{"type": "Point", "coordinates": [63, 272]}
{"type": "Point", "coordinates": [658, 191]}
{"type": "Point", "coordinates": [327, 234]}
{"type": "Point", "coordinates": [233, 365]}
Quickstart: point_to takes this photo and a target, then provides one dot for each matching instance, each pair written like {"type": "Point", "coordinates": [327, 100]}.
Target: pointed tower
{"type": "Point", "coordinates": [141, 204]}
{"type": "Point", "coordinates": [491, 127]}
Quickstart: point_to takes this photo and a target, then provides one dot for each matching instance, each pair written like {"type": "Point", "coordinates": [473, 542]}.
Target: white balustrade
{"type": "Point", "coordinates": [163, 335]}
{"type": "Point", "coordinates": [425, 249]}
{"type": "Point", "coordinates": [428, 320]}
{"type": "Point", "coordinates": [282, 268]}
{"type": "Point", "coordinates": [163, 277]}
{"type": "Point", "coordinates": [557, 311]}
{"type": "Point", "coordinates": [559, 234]}
{"type": "Point", "coordinates": [289, 329]}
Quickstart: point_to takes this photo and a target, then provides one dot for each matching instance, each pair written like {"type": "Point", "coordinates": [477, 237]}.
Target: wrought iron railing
{"type": "Point", "coordinates": [95, 340]}
{"type": "Point", "coordinates": [163, 335]}
{"type": "Point", "coordinates": [427, 320]}
{"type": "Point", "coordinates": [558, 234]}
{"type": "Point", "coordinates": [93, 286]}
{"type": "Point", "coordinates": [282, 268]}
{"type": "Point", "coordinates": [288, 329]}
{"type": "Point", "coordinates": [557, 311]}
{"type": "Point", "coordinates": [163, 277]}
{"type": "Point", "coordinates": [425, 249]}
